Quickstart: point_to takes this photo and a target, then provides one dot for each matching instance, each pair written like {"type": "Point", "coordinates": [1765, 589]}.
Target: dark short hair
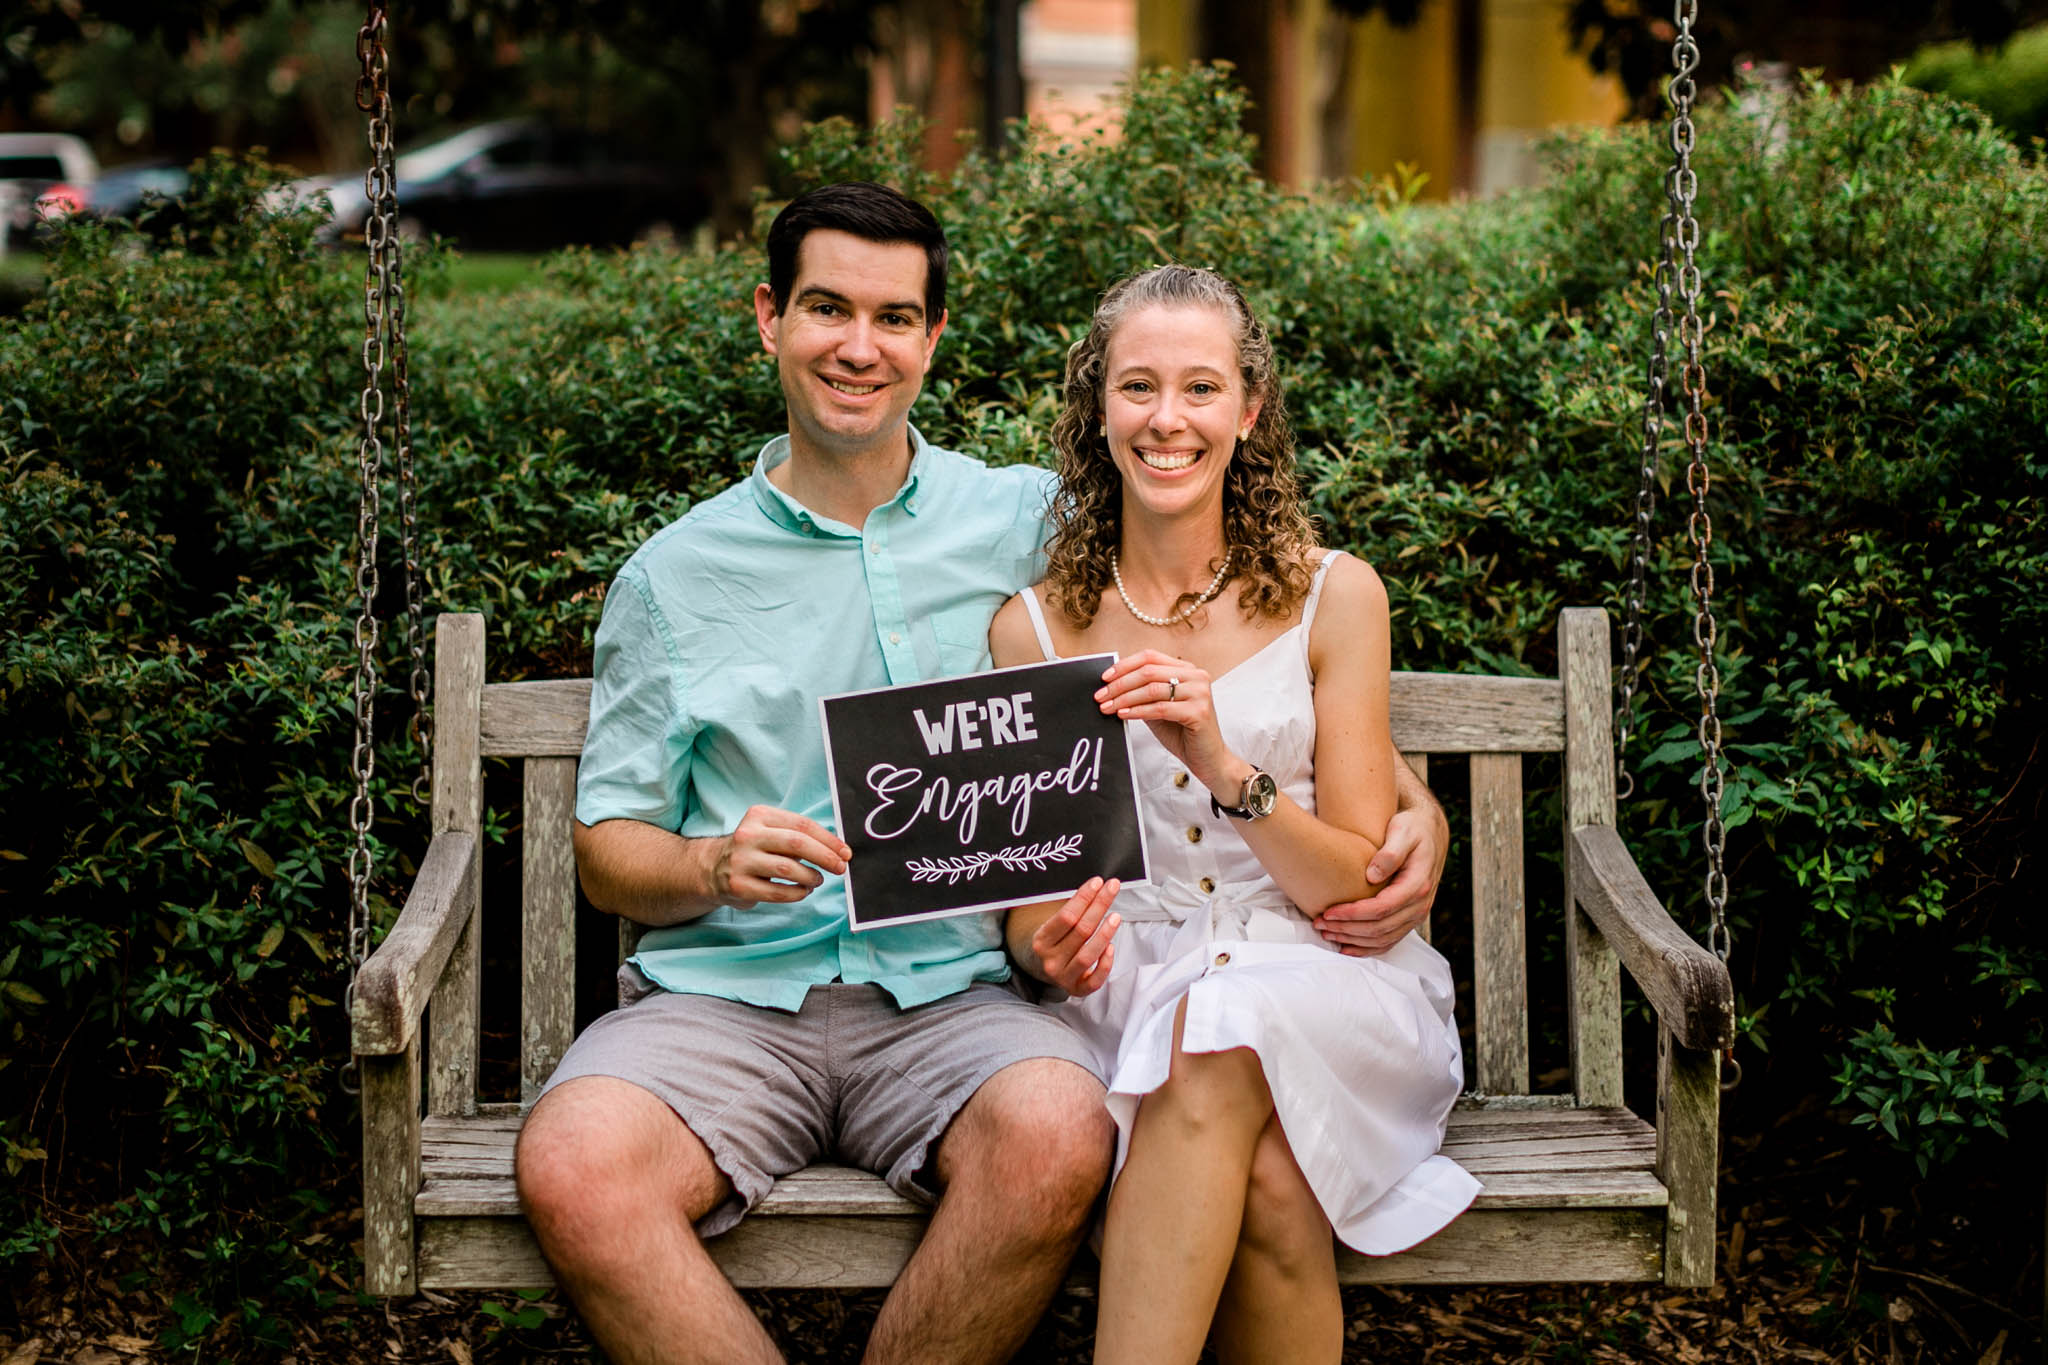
{"type": "Point", "coordinates": [869, 211]}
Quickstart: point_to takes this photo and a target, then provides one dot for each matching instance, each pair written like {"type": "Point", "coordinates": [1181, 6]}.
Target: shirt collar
{"type": "Point", "coordinates": [792, 515]}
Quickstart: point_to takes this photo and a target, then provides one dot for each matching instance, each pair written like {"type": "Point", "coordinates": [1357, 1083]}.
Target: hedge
{"type": "Point", "coordinates": [176, 508]}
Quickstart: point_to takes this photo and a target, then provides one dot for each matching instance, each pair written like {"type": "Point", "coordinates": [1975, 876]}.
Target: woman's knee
{"type": "Point", "coordinates": [1215, 1090]}
{"type": "Point", "coordinates": [1283, 1221]}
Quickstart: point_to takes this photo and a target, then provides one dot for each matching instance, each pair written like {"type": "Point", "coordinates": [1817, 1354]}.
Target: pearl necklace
{"type": "Point", "coordinates": [1215, 586]}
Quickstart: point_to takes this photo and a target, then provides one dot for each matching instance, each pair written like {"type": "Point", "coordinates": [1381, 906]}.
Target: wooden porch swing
{"type": "Point", "coordinates": [1576, 1186]}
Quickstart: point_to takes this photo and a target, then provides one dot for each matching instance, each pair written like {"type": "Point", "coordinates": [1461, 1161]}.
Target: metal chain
{"type": "Point", "coordinates": [420, 681]}
{"type": "Point", "coordinates": [373, 98]}
{"type": "Point", "coordinates": [1678, 242]}
{"type": "Point", "coordinates": [1683, 186]}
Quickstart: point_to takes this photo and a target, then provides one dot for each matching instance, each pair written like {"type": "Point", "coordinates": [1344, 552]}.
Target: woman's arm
{"type": "Point", "coordinates": [1318, 859]}
{"type": "Point", "coordinates": [1066, 943]}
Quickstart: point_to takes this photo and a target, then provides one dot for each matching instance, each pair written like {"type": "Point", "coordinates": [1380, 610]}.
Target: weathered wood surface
{"type": "Point", "coordinates": [1532, 1158]}
{"type": "Point", "coordinates": [1687, 985]}
{"type": "Point", "coordinates": [394, 983]}
{"type": "Point", "coordinates": [454, 1020]}
{"type": "Point", "coordinates": [1420, 763]}
{"type": "Point", "coordinates": [1592, 971]}
{"type": "Point", "coordinates": [1500, 959]}
{"type": "Point", "coordinates": [1688, 1156]}
{"type": "Point", "coordinates": [547, 956]}
{"type": "Point", "coordinates": [1485, 1246]}
{"type": "Point", "coordinates": [391, 1167]}
{"type": "Point", "coordinates": [536, 719]}
{"type": "Point", "coordinates": [1439, 713]}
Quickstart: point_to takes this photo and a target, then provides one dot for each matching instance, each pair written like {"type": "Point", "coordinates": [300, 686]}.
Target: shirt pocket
{"type": "Point", "coordinates": [961, 634]}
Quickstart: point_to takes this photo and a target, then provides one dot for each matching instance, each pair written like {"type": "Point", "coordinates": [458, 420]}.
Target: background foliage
{"type": "Point", "coordinates": [177, 505]}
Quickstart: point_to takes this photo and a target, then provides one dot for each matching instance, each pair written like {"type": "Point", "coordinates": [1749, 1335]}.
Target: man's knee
{"type": "Point", "coordinates": [1037, 1132]}
{"type": "Point", "coordinates": [598, 1153]}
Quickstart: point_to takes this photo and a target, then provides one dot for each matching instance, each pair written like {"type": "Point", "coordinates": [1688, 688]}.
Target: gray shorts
{"type": "Point", "coordinates": [849, 1077]}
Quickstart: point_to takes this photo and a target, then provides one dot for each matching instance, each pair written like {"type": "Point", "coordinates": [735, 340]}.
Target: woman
{"type": "Point", "coordinates": [1266, 1087]}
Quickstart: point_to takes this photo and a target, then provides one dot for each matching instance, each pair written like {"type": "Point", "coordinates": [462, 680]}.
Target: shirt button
{"type": "Point", "coordinates": [1223, 959]}
{"type": "Point", "coordinates": [1208, 885]}
{"type": "Point", "coordinates": [1194, 834]}
{"type": "Point", "coordinates": [1180, 779]}
{"type": "Point", "coordinates": [874, 549]}
{"type": "Point", "coordinates": [894, 638]}
{"type": "Point", "coordinates": [911, 505]}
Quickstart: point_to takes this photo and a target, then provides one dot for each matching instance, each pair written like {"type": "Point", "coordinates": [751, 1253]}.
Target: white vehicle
{"type": "Point", "coordinates": [42, 175]}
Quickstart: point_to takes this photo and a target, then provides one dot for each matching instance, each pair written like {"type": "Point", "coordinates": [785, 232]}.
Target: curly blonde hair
{"type": "Point", "coordinates": [1265, 531]}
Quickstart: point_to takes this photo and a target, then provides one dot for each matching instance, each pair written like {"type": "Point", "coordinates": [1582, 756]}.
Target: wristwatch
{"type": "Point", "coordinates": [1255, 799]}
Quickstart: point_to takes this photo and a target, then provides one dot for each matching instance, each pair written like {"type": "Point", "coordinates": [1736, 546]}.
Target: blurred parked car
{"type": "Point", "coordinates": [521, 185]}
{"type": "Point", "coordinates": [120, 190]}
{"type": "Point", "coordinates": [42, 175]}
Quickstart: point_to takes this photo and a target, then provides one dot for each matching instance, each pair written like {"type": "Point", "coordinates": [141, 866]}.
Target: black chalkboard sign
{"type": "Point", "coordinates": [983, 791]}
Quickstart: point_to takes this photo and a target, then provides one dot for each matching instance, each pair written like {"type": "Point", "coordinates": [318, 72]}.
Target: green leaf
{"type": "Point", "coordinates": [258, 859]}
{"type": "Point", "coordinates": [26, 994]}
{"type": "Point", "coordinates": [272, 936]}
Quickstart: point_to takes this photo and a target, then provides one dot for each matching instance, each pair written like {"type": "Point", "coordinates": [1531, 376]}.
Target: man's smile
{"type": "Point", "coordinates": [854, 390]}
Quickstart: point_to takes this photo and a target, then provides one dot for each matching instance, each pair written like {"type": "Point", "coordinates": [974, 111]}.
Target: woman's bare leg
{"type": "Point", "coordinates": [1175, 1210]}
{"type": "Point", "coordinates": [1280, 1304]}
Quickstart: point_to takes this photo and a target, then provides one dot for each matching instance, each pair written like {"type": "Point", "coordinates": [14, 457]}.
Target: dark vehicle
{"type": "Point", "coordinates": [521, 185]}
{"type": "Point", "coordinates": [122, 191]}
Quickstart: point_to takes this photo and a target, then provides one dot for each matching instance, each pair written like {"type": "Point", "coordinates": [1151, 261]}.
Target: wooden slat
{"type": "Point", "coordinates": [1485, 1246]}
{"type": "Point", "coordinates": [458, 805]}
{"type": "Point", "coordinates": [1688, 1156]}
{"type": "Point", "coordinates": [1420, 763]}
{"type": "Point", "coordinates": [1517, 1246]}
{"type": "Point", "coordinates": [1687, 985]}
{"type": "Point", "coordinates": [391, 1167]}
{"type": "Point", "coordinates": [536, 719]}
{"type": "Point", "coordinates": [1592, 971]}
{"type": "Point", "coordinates": [547, 983]}
{"type": "Point", "coordinates": [394, 984]}
{"type": "Point", "coordinates": [1439, 713]}
{"type": "Point", "coordinates": [1500, 973]}
{"type": "Point", "coordinates": [1463, 713]}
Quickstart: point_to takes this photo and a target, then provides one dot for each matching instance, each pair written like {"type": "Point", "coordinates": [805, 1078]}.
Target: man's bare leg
{"type": "Point", "coordinates": [1178, 1206]}
{"type": "Point", "coordinates": [1021, 1165]}
{"type": "Point", "coordinates": [1280, 1304]}
{"type": "Point", "coordinates": [612, 1182]}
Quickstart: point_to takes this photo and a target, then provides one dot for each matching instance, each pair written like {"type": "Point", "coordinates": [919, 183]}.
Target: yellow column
{"type": "Point", "coordinates": [1403, 97]}
{"type": "Point", "coordinates": [1530, 80]}
{"type": "Point", "coordinates": [1166, 32]}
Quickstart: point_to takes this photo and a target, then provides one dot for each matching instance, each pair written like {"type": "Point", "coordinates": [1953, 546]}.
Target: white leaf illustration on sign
{"type": "Point", "coordinates": [1017, 858]}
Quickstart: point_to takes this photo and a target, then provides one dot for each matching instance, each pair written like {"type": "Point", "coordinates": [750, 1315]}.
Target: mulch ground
{"type": "Point", "coordinates": [1830, 1252]}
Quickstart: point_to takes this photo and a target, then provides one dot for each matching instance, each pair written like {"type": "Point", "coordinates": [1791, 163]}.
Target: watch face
{"type": "Point", "coordinates": [1261, 794]}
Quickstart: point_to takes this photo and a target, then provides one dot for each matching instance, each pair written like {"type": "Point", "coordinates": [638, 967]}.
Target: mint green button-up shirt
{"type": "Point", "coordinates": [719, 636]}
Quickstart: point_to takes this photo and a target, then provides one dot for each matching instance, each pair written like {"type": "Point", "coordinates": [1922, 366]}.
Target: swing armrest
{"type": "Point", "coordinates": [1687, 985]}
{"type": "Point", "coordinates": [394, 984]}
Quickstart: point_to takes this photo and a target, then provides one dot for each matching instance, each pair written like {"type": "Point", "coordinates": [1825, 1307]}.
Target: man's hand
{"type": "Point", "coordinates": [775, 855]}
{"type": "Point", "coordinates": [1413, 857]}
{"type": "Point", "coordinates": [1073, 946]}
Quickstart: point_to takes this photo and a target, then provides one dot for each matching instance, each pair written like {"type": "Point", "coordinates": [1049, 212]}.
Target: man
{"type": "Point", "coordinates": [761, 1033]}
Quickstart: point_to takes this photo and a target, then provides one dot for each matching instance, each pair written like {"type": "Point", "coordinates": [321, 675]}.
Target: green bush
{"type": "Point", "coordinates": [177, 498]}
{"type": "Point", "coordinates": [2010, 84]}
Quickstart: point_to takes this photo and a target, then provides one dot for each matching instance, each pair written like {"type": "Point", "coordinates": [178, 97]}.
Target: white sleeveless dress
{"type": "Point", "coordinates": [1361, 1053]}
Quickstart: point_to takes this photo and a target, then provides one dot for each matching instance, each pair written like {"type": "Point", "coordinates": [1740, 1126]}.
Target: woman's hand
{"type": "Point", "coordinates": [1073, 946]}
{"type": "Point", "coordinates": [1173, 697]}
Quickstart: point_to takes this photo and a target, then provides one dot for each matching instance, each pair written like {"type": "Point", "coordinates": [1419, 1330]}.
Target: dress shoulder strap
{"type": "Point", "coordinates": [1315, 591]}
{"type": "Point", "coordinates": [1037, 615]}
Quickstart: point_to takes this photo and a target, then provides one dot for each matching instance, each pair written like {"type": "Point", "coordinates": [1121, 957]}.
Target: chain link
{"type": "Point", "coordinates": [379, 184]}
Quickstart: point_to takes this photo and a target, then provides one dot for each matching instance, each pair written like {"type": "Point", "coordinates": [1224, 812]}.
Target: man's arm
{"type": "Point", "coordinates": [1418, 840]}
{"type": "Point", "coordinates": [651, 876]}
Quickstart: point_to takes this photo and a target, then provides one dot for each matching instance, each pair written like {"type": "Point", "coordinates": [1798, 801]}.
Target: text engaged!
{"type": "Point", "coordinates": [981, 792]}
